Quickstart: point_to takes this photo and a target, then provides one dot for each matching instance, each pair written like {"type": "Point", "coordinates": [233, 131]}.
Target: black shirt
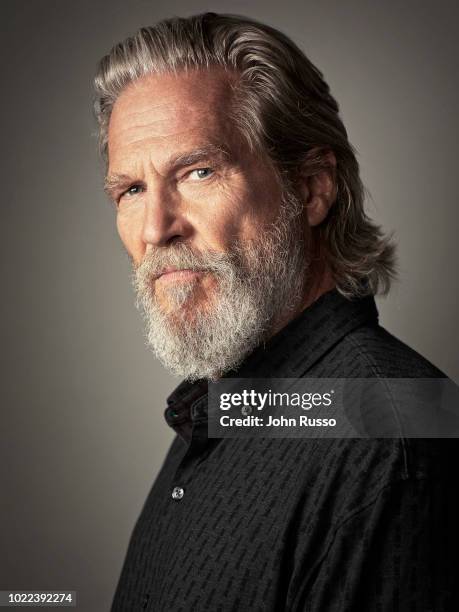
{"type": "Point", "coordinates": [265, 524]}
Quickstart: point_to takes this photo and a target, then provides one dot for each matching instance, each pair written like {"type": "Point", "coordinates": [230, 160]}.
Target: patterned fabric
{"type": "Point", "coordinates": [336, 525]}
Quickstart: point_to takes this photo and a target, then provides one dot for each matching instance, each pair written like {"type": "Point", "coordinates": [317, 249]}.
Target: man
{"type": "Point", "coordinates": [239, 202]}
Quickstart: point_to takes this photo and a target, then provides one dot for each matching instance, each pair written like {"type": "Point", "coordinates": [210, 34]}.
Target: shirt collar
{"type": "Point", "coordinates": [183, 406]}
{"type": "Point", "coordinates": [288, 354]}
{"type": "Point", "coordinates": [303, 341]}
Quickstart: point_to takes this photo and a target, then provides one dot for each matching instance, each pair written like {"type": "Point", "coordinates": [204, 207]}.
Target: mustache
{"type": "Point", "coordinates": [181, 256]}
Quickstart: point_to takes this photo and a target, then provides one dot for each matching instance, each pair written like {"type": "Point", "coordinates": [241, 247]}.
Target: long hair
{"type": "Point", "coordinates": [282, 106]}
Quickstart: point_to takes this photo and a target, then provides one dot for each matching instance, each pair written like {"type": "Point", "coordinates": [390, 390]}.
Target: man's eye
{"type": "Point", "coordinates": [201, 173]}
{"type": "Point", "coordinates": [134, 190]}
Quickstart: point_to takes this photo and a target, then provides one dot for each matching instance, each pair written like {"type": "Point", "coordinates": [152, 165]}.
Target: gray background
{"type": "Point", "coordinates": [82, 397]}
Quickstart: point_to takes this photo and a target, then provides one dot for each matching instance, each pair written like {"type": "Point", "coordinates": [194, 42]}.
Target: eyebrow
{"type": "Point", "coordinates": [116, 181]}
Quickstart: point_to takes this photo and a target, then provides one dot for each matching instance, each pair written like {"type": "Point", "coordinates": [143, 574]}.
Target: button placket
{"type": "Point", "coordinates": [197, 443]}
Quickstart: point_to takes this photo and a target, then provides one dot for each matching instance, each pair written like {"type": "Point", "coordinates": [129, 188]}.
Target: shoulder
{"type": "Point", "coordinates": [353, 474]}
{"type": "Point", "coordinates": [375, 352]}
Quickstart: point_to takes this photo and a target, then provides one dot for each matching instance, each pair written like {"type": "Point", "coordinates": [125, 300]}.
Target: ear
{"type": "Point", "coordinates": [317, 184]}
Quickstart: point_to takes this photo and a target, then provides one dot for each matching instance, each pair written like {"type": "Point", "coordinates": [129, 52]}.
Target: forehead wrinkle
{"type": "Point", "coordinates": [167, 147]}
{"type": "Point", "coordinates": [146, 103]}
{"type": "Point", "coordinates": [179, 134]}
{"type": "Point", "coordinates": [158, 132]}
{"type": "Point", "coordinates": [150, 131]}
{"type": "Point", "coordinates": [141, 109]}
{"type": "Point", "coordinates": [180, 113]}
{"type": "Point", "coordinates": [178, 110]}
{"type": "Point", "coordinates": [142, 126]}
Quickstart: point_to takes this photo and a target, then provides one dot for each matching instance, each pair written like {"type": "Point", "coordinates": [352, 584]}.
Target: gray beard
{"type": "Point", "coordinates": [258, 285]}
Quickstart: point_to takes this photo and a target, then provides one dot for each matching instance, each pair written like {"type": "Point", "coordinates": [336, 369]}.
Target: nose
{"type": "Point", "coordinates": [163, 220]}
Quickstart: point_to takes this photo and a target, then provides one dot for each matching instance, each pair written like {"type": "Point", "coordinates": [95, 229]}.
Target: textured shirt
{"type": "Point", "coordinates": [274, 524]}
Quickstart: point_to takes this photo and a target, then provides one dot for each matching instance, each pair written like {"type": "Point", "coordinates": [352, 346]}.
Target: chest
{"type": "Point", "coordinates": [222, 525]}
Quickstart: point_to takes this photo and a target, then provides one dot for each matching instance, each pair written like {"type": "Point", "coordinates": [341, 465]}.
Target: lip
{"type": "Point", "coordinates": [172, 274]}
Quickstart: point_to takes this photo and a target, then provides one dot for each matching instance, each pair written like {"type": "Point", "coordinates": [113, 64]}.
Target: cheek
{"type": "Point", "coordinates": [213, 227]}
{"type": "Point", "coordinates": [246, 226]}
{"type": "Point", "coordinates": [256, 208]}
{"type": "Point", "coordinates": [129, 230]}
{"type": "Point", "coordinates": [230, 218]}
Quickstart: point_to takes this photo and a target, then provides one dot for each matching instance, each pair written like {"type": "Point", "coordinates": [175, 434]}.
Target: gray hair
{"type": "Point", "coordinates": [283, 107]}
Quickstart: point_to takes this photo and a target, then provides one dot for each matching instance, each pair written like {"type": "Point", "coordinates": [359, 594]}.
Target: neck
{"type": "Point", "coordinates": [319, 283]}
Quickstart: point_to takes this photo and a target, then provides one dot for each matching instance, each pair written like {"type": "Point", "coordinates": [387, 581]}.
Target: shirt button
{"type": "Point", "coordinates": [177, 493]}
{"type": "Point", "coordinates": [145, 601]}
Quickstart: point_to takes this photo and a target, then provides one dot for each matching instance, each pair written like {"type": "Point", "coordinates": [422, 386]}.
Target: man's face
{"type": "Point", "coordinates": [197, 213]}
